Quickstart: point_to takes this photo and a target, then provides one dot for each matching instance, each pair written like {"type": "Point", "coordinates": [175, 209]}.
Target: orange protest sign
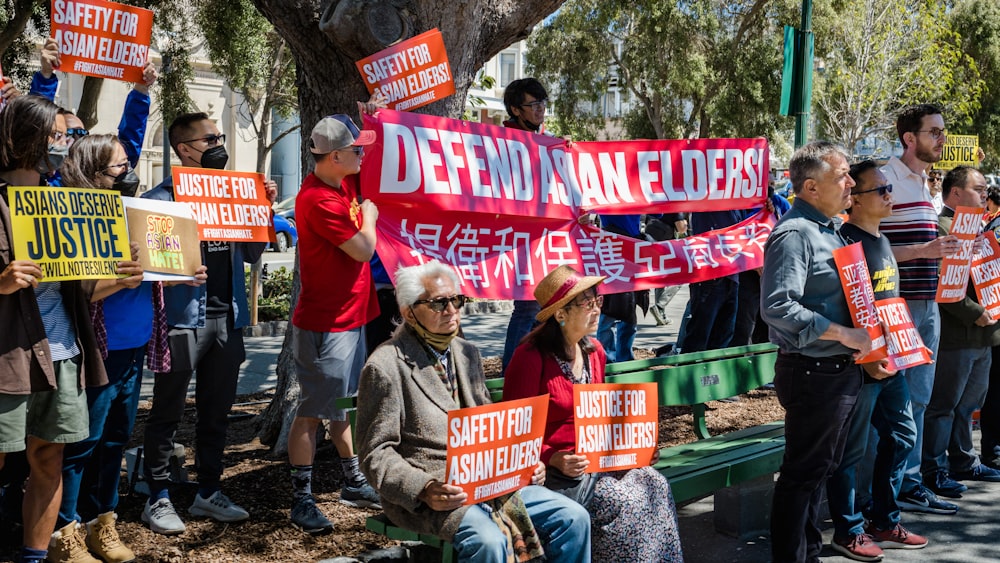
{"type": "Point", "coordinates": [986, 275]}
{"type": "Point", "coordinates": [616, 424]}
{"type": "Point", "coordinates": [857, 284]}
{"type": "Point", "coordinates": [102, 39]}
{"type": "Point", "coordinates": [494, 449]}
{"type": "Point", "coordinates": [954, 274]}
{"type": "Point", "coordinates": [228, 205]}
{"type": "Point", "coordinates": [906, 348]}
{"type": "Point", "coordinates": [411, 73]}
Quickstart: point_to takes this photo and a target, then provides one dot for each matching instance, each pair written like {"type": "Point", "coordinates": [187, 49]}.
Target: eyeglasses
{"type": "Point", "coordinates": [589, 304]}
{"type": "Point", "coordinates": [360, 151]}
{"type": "Point", "coordinates": [440, 304]}
{"type": "Point", "coordinates": [210, 140]}
{"type": "Point", "coordinates": [935, 179]}
{"type": "Point", "coordinates": [536, 105]}
{"type": "Point", "coordinates": [935, 132]}
{"type": "Point", "coordinates": [57, 136]}
{"type": "Point", "coordinates": [882, 190]}
{"type": "Point", "coordinates": [123, 165]}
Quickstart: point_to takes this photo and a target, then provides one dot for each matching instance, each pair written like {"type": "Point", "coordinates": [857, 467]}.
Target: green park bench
{"type": "Point", "coordinates": [694, 470]}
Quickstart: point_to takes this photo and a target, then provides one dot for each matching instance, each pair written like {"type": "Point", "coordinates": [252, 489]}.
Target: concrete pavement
{"type": "Point", "coordinates": [971, 535]}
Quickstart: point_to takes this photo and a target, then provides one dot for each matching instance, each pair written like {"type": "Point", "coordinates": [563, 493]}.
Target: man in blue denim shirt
{"type": "Point", "coordinates": [206, 334]}
{"type": "Point", "coordinates": [816, 379]}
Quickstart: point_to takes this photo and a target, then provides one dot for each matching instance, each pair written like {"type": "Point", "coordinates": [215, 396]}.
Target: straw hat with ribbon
{"type": "Point", "coordinates": [560, 287]}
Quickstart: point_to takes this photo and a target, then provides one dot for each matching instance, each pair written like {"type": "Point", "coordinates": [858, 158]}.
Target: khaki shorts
{"type": "Point", "coordinates": [58, 416]}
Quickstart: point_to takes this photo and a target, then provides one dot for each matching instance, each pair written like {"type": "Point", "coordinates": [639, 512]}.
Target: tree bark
{"type": "Point", "coordinates": [328, 82]}
{"type": "Point", "coordinates": [22, 11]}
{"type": "Point", "coordinates": [87, 111]}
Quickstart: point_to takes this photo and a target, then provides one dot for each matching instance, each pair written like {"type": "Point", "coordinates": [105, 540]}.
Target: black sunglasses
{"type": "Point", "coordinates": [77, 132]}
{"type": "Point", "coordinates": [440, 304]}
{"type": "Point", "coordinates": [209, 140]}
{"type": "Point", "coordinates": [882, 190]}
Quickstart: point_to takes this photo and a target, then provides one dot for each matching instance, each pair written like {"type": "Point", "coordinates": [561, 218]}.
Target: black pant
{"type": "Point", "coordinates": [380, 328]}
{"type": "Point", "coordinates": [989, 415]}
{"type": "Point", "coordinates": [818, 395]}
{"type": "Point", "coordinates": [216, 351]}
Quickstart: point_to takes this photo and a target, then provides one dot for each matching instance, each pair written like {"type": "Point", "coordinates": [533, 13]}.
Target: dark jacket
{"type": "Point", "coordinates": [958, 320]}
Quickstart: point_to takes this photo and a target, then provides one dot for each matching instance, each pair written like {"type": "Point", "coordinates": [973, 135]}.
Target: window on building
{"type": "Point", "coordinates": [508, 68]}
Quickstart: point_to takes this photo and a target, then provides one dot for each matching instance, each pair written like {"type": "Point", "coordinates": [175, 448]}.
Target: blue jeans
{"type": "Point", "coordinates": [885, 404]}
{"type": "Point", "coordinates": [92, 467]}
{"type": "Point", "coordinates": [920, 380]}
{"type": "Point", "coordinates": [965, 373]}
{"type": "Point", "coordinates": [713, 315]}
{"type": "Point", "coordinates": [522, 320]}
{"type": "Point", "coordinates": [563, 528]}
{"type": "Point", "coordinates": [617, 338]}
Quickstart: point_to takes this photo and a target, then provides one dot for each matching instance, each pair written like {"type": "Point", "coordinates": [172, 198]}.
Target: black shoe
{"type": "Point", "coordinates": [980, 472]}
{"type": "Point", "coordinates": [307, 517]}
{"type": "Point", "coordinates": [943, 485]}
{"type": "Point", "coordinates": [922, 499]}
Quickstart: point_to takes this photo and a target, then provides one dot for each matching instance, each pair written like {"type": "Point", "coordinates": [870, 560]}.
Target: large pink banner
{"type": "Point", "coordinates": [438, 163]}
{"type": "Point", "coordinates": [501, 205]}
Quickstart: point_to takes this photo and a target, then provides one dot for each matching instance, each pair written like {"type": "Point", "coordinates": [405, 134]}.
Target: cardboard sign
{"type": "Point", "coordinates": [906, 348]}
{"type": "Point", "coordinates": [616, 424]}
{"type": "Point", "coordinates": [228, 205]}
{"type": "Point", "coordinates": [71, 233]}
{"type": "Point", "coordinates": [493, 449]}
{"type": "Point", "coordinates": [953, 278]}
{"type": "Point", "coordinates": [411, 73]}
{"type": "Point", "coordinates": [986, 275]}
{"type": "Point", "coordinates": [102, 39]}
{"type": "Point", "coordinates": [857, 284]}
{"type": "Point", "coordinates": [167, 234]}
{"type": "Point", "coordinates": [959, 150]}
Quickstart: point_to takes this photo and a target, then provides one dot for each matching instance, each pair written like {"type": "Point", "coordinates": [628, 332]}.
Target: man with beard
{"type": "Point", "coordinates": [206, 333]}
{"type": "Point", "coordinates": [912, 230]}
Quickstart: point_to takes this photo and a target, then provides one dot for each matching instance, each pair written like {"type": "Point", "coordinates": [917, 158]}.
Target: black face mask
{"type": "Point", "coordinates": [215, 158]}
{"type": "Point", "coordinates": [127, 183]}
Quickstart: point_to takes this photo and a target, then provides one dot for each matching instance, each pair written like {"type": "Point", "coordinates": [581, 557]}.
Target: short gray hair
{"type": "Point", "coordinates": [810, 161]}
{"type": "Point", "coordinates": [410, 281]}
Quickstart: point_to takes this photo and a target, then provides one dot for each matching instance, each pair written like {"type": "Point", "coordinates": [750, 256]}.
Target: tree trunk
{"type": "Point", "coordinates": [87, 112]}
{"type": "Point", "coordinates": [21, 11]}
{"type": "Point", "coordinates": [276, 420]}
{"type": "Point", "coordinates": [328, 82]}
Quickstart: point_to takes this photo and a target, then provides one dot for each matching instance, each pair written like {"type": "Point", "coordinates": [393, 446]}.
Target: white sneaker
{"type": "Point", "coordinates": [218, 507]}
{"type": "Point", "coordinates": [162, 518]}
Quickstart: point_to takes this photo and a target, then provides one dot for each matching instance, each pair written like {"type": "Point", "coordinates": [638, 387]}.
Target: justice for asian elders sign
{"type": "Point", "coordinates": [410, 74]}
{"type": "Point", "coordinates": [616, 424]}
{"type": "Point", "coordinates": [71, 233]}
{"type": "Point", "coordinates": [102, 39]}
{"type": "Point", "coordinates": [493, 449]}
{"type": "Point", "coordinates": [228, 205]}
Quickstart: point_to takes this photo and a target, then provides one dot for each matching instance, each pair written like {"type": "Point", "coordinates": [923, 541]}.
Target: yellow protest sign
{"type": "Point", "coordinates": [71, 233]}
{"type": "Point", "coordinates": [959, 150]}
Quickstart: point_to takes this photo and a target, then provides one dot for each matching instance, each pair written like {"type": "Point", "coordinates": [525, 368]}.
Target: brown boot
{"type": "Point", "coordinates": [68, 545]}
{"type": "Point", "coordinates": [103, 540]}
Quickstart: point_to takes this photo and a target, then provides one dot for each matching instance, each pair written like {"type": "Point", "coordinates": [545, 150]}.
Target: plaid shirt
{"type": "Point", "coordinates": [100, 331]}
{"type": "Point", "coordinates": [158, 350]}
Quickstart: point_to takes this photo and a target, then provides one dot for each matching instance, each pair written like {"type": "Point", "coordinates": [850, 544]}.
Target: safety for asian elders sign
{"type": "Point", "coordinates": [102, 39]}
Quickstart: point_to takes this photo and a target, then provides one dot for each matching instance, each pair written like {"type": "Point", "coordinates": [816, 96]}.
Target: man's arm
{"type": "Point", "coordinates": [132, 127]}
{"type": "Point", "coordinates": [937, 248]}
{"type": "Point", "coordinates": [361, 246]}
{"type": "Point", "coordinates": [44, 82]}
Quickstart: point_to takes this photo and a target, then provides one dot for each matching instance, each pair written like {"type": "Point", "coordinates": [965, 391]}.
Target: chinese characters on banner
{"type": "Point", "coordinates": [954, 273]}
{"type": "Point", "coordinates": [228, 205]}
{"type": "Point", "coordinates": [986, 275]}
{"type": "Point", "coordinates": [902, 345]}
{"type": "Point", "coordinates": [500, 205]}
{"type": "Point", "coordinates": [616, 424]}
{"type": "Point", "coordinates": [494, 449]}
{"type": "Point", "coordinates": [102, 39]}
{"type": "Point", "coordinates": [411, 73]}
{"type": "Point", "coordinates": [71, 233]}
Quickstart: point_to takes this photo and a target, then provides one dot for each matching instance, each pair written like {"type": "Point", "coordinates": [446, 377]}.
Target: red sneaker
{"type": "Point", "coordinates": [859, 548]}
{"type": "Point", "coordinates": [896, 538]}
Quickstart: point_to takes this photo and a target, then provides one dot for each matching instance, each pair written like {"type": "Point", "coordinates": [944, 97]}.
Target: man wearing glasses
{"type": "Point", "coordinates": [205, 334]}
{"type": "Point", "coordinates": [912, 230]}
{"type": "Point", "coordinates": [884, 400]}
{"type": "Point", "coordinates": [337, 299]}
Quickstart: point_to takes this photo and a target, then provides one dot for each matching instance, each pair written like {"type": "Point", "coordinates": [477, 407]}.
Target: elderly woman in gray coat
{"type": "Point", "coordinates": [406, 390]}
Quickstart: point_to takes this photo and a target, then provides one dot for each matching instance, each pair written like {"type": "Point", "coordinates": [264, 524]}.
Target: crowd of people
{"type": "Point", "coordinates": [876, 441]}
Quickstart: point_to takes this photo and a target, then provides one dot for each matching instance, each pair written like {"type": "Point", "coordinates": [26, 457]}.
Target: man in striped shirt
{"type": "Point", "coordinates": [912, 230]}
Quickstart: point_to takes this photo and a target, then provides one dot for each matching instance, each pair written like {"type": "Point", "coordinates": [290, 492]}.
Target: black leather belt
{"type": "Point", "coordinates": [838, 361]}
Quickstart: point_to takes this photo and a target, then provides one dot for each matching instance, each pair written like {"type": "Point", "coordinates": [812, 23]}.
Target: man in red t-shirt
{"type": "Point", "coordinates": [336, 241]}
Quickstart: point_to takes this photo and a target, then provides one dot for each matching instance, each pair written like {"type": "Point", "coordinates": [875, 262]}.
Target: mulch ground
{"type": "Point", "coordinates": [260, 484]}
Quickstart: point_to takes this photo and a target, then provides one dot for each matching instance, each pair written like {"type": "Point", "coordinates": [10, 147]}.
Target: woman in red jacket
{"type": "Point", "coordinates": [553, 357]}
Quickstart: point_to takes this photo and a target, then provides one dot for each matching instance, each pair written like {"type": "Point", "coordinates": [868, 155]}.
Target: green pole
{"type": "Point", "coordinates": [804, 64]}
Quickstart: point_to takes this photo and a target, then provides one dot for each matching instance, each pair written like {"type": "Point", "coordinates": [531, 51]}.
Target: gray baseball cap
{"type": "Point", "coordinates": [335, 132]}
